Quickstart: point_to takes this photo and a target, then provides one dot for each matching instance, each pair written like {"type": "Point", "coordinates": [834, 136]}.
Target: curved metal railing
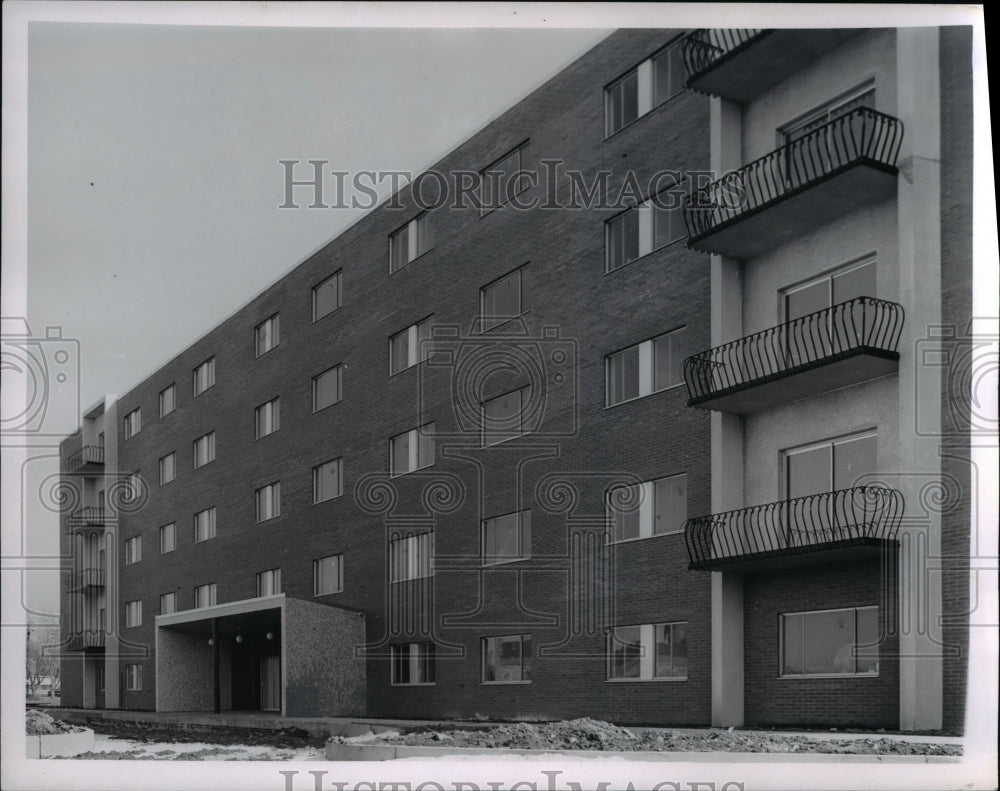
{"type": "Point", "coordinates": [88, 454]}
{"type": "Point", "coordinates": [857, 515]}
{"type": "Point", "coordinates": [803, 343]}
{"type": "Point", "coordinates": [703, 47]}
{"type": "Point", "coordinates": [87, 578]}
{"type": "Point", "coordinates": [87, 638]}
{"type": "Point", "coordinates": [861, 134]}
{"type": "Point", "coordinates": [90, 515]}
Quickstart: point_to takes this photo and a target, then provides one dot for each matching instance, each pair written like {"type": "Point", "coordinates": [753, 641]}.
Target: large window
{"type": "Point", "coordinates": [267, 418]}
{"type": "Point", "coordinates": [639, 231]}
{"type": "Point", "coordinates": [268, 582]}
{"type": "Point", "coordinates": [647, 367]}
{"type": "Point", "coordinates": [412, 240]}
{"type": "Point", "coordinates": [133, 550]}
{"type": "Point", "coordinates": [132, 423]}
{"type": "Point", "coordinates": [499, 182]}
{"type": "Point", "coordinates": [646, 86]}
{"type": "Point", "coordinates": [327, 388]}
{"type": "Point", "coordinates": [168, 400]}
{"type": "Point", "coordinates": [507, 538]}
{"type": "Point", "coordinates": [133, 677]}
{"type": "Point", "coordinates": [412, 663]}
{"type": "Point", "coordinates": [502, 300]}
{"type": "Point", "coordinates": [268, 501]}
{"type": "Point", "coordinates": [265, 335]}
{"type": "Point", "coordinates": [507, 659]}
{"type": "Point", "coordinates": [503, 417]}
{"type": "Point", "coordinates": [830, 642]}
{"type": "Point", "coordinates": [168, 603]}
{"type": "Point", "coordinates": [168, 468]}
{"type": "Point", "coordinates": [412, 557]}
{"type": "Point", "coordinates": [647, 652]}
{"type": "Point", "coordinates": [204, 525]}
{"type": "Point", "coordinates": [326, 296]}
{"type": "Point", "coordinates": [412, 450]}
{"type": "Point", "coordinates": [830, 465]}
{"type": "Point", "coordinates": [651, 508]}
{"type": "Point", "coordinates": [133, 613]}
{"type": "Point", "coordinates": [204, 595]}
{"type": "Point", "coordinates": [204, 376]}
{"type": "Point", "coordinates": [328, 575]}
{"type": "Point", "coordinates": [168, 538]}
{"type": "Point", "coordinates": [410, 346]}
{"type": "Point", "coordinates": [204, 450]}
{"type": "Point", "coordinates": [328, 480]}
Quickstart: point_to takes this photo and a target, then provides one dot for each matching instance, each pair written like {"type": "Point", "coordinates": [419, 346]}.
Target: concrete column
{"type": "Point", "coordinates": [112, 663]}
{"type": "Point", "coordinates": [919, 212]}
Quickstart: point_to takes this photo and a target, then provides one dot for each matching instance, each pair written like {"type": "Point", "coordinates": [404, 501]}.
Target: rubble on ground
{"type": "Point", "coordinates": [41, 723]}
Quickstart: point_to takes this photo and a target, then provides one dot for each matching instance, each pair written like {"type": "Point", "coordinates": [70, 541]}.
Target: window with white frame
{"type": "Point", "coordinates": [643, 88]}
{"type": "Point", "coordinates": [412, 450]}
{"type": "Point", "coordinates": [133, 613]}
{"type": "Point", "coordinates": [204, 595]}
{"type": "Point", "coordinates": [500, 182]}
{"type": "Point", "coordinates": [501, 300]}
{"type": "Point", "coordinates": [840, 642]}
{"type": "Point", "coordinates": [326, 296]}
{"type": "Point", "coordinates": [269, 582]}
{"type": "Point", "coordinates": [639, 231]}
{"type": "Point", "coordinates": [204, 525]}
{"type": "Point", "coordinates": [507, 538]}
{"type": "Point", "coordinates": [268, 501]}
{"type": "Point", "coordinates": [409, 242]}
{"type": "Point", "coordinates": [411, 558]}
{"type": "Point", "coordinates": [412, 663]}
{"type": "Point", "coordinates": [410, 346]}
{"type": "Point", "coordinates": [132, 423]}
{"type": "Point", "coordinates": [648, 652]}
{"type": "Point", "coordinates": [204, 449]}
{"type": "Point", "coordinates": [133, 550]}
{"type": "Point", "coordinates": [265, 336]}
{"type": "Point", "coordinates": [503, 417]}
{"type": "Point", "coordinates": [131, 488]}
{"type": "Point", "coordinates": [168, 603]}
{"type": "Point", "coordinates": [647, 367]}
{"type": "Point", "coordinates": [328, 480]}
{"type": "Point", "coordinates": [651, 508]}
{"type": "Point", "coordinates": [267, 418]}
{"type": "Point", "coordinates": [327, 388]}
{"type": "Point", "coordinates": [204, 376]}
{"type": "Point", "coordinates": [861, 96]}
{"type": "Point", "coordinates": [830, 465]}
{"type": "Point", "coordinates": [168, 538]}
{"type": "Point", "coordinates": [168, 468]}
{"type": "Point", "coordinates": [328, 575]}
{"type": "Point", "coordinates": [168, 400]}
{"type": "Point", "coordinates": [133, 677]}
{"type": "Point", "coordinates": [507, 659]}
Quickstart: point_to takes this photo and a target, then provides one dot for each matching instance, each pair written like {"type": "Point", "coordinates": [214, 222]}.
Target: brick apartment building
{"type": "Point", "coordinates": [659, 460]}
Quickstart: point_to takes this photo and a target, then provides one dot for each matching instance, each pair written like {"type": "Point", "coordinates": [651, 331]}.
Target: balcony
{"type": "Point", "coordinates": [829, 527]}
{"type": "Point", "coordinates": [86, 579]}
{"type": "Point", "coordinates": [843, 345]}
{"type": "Point", "coordinates": [839, 167]}
{"type": "Point", "coordinates": [739, 64]}
{"type": "Point", "coordinates": [89, 516]}
{"type": "Point", "coordinates": [87, 638]}
{"type": "Point", "coordinates": [89, 459]}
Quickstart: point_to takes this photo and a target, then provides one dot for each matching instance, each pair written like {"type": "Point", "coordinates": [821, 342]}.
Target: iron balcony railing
{"type": "Point", "coordinates": [829, 520]}
{"type": "Point", "coordinates": [88, 638]}
{"type": "Point", "coordinates": [90, 515]}
{"type": "Point", "coordinates": [859, 325]}
{"type": "Point", "coordinates": [87, 578]}
{"type": "Point", "coordinates": [703, 48]}
{"type": "Point", "coordinates": [861, 135]}
{"type": "Point", "coordinates": [88, 454]}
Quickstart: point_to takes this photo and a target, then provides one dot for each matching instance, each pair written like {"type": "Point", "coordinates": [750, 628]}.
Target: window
{"type": "Point", "coordinates": [411, 558]}
{"type": "Point", "coordinates": [133, 678]}
{"type": "Point", "coordinates": [133, 550]}
{"type": "Point", "coordinates": [507, 659]}
{"type": "Point", "coordinates": [507, 538]}
{"type": "Point", "coordinates": [830, 642]}
{"type": "Point", "coordinates": [168, 603]}
{"type": "Point", "coordinates": [267, 418]}
{"type": "Point", "coordinates": [409, 242]}
{"type": "Point", "coordinates": [328, 575]}
{"type": "Point", "coordinates": [168, 400]}
{"type": "Point", "coordinates": [101, 678]}
{"type": "Point", "coordinates": [269, 582]}
{"type": "Point", "coordinates": [204, 450]}
{"type": "Point", "coordinates": [648, 651]}
{"type": "Point", "coordinates": [501, 300]}
{"type": "Point", "coordinates": [639, 231]}
{"type": "Point", "coordinates": [831, 465]}
{"type": "Point", "coordinates": [133, 422]}
{"type": "Point", "coordinates": [268, 501]}
{"type": "Point", "coordinates": [327, 388]}
{"type": "Point", "coordinates": [265, 335]}
{"type": "Point", "coordinates": [204, 525]}
{"type": "Point", "coordinates": [133, 613]}
{"type": "Point", "coordinates": [412, 663]}
{"type": "Point", "coordinates": [862, 96]}
{"type": "Point", "coordinates": [328, 480]}
{"type": "Point", "coordinates": [131, 487]}
{"type": "Point", "coordinates": [652, 508]}
{"type": "Point", "coordinates": [326, 296]}
{"type": "Point", "coordinates": [410, 346]}
{"type": "Point", "coordinates": [204, 376]}
{"type": "Point", "coordinates": [646, 86]}
{"type": "Point", "coordinates": [500, 181]}
{"type": "Point", "coordinates": [168, 538]}
{"type": "Point", "coordinates": [646, 368]}
{"type": "Point", "coordinates": [412, 450]}
{"type": "Point", "coordinates": [204, 595]}
{"type": "Point", "coordinates": [503, 417]}
{"type": "Point", "coordinates": [168, 468]}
